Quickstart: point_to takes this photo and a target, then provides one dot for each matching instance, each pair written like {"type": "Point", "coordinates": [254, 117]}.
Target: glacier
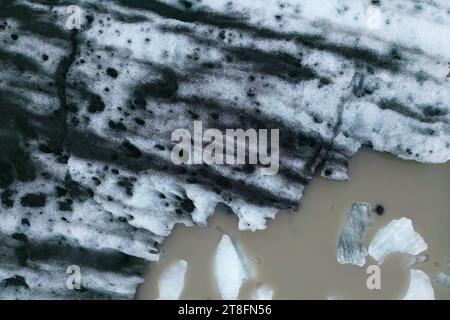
{"type": "Point", "coordinates": [85, 172]}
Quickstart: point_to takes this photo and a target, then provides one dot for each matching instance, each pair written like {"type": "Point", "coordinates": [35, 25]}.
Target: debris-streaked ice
{"type": "Point", "coordinates": [171, 283]}
{"type": "Point", "coordinates": [262, 292]}
{"type": "Point", "coordinates": [419, 286]}
{"type": "Point", "coordinates": [397, 236]}
{"type": "Point", "coordinates": [230, 269]}
{"type": "Point", "coordinates": [350, 249]}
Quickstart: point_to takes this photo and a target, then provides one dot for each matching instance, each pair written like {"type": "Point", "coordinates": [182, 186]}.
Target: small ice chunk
{"type": "Point", "coordinates": [420, 287]}
{"type": "Point", "coordinates": [397, 236]}
{"type": "Point", "coordinates": [333, 298]}
{"type": "Point", "coordinates": [350, 249]}
{"type": "Point", "coordinates": [171, 283]}
{"type": "Point", "coordinates": [412, 261]}
{"type": "Point", "coordinates": [442, 279]}
{"type": "Point", "coordinates": [262, 293]}
{"type": "Point", "coordinates": [230, 269]}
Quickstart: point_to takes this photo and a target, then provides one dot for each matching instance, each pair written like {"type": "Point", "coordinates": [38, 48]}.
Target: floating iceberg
{"type": "Point", "coordinates": [412, 261]}
{"type": "Point", "coordinates": [230, 269]}
{"type": "Point", "coordinates": [350, 250]}
{"type": "Point", "coordinates": [419, 286]}
{"type": "Point", "coordinates": [442, 279]}
{"type": "Point", "coordinates": [171, 283]}
{"type": "Point", "coordinates": [397, 236]}
{"type": "Point", "coordinates": [262, 293]}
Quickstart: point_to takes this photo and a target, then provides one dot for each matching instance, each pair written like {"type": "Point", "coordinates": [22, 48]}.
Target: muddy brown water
{"type": "Point", "coordinates": [296, 253]}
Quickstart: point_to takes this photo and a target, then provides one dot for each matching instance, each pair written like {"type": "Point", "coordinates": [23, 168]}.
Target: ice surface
{"type": "Point", "coordinates": [262, 292]}
{"type": "Point", "coordinates": [397, 236]}
{"type": "Point", "coordinates": [171, 283]}
{"type": "Point", "coordinates": [230, 269]}
{"type": "Point", "coordinates": [350, 249]}
{"type": "Point", "coordinates": [420, 287]}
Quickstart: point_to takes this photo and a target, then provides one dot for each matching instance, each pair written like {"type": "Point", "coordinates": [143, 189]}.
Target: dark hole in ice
{"type": "Point", "coordinates": [139, 121]}
{"type": "Point", "coordinates": [76, 190]}
{"type": "Point", "coordinates": [187, 205]}
{"type": "Point", "coordinates": [60, 192]}
{"type": "Point", "coordinates": [19, 237]}
{"type": "Point", "coordinates": [33, 200]}
{"type": "Point", "coordinates": [324, 82]}
{"type": "Point", "coordinates": [131, 150]}
{"type": "Point", "coordinates": [127, 184]}
{"type": "Point", "coordinates": [432, 111]}
{"type": "Point", "coordinates": [7, 199]}
{"type": "Point", "coordinates": [17, 281]}
{"type": "Point", "coordinates": [45, 149]}
{"type": "Point", "coordinates": [112, 73]}
{"type": "Point", "coordinates": [22, 255]}
{"type": "Point", "coordinates": [317, 119]}
{"type": "Point", "coordinates": [186, 4]}
{"type": "Point", "coordinates": [96, 104]}
{"type": "Point", "coordinates": [96, 181]}
{"type": "Point", "coordinates": [251, 93]}
{"type": "Point", "coordinates": [118, 126]}
{"type": "Point", "coordinates": [248, 168]}
{"type": "Point", "coordinates": [193, 115]}
{"type": "Point", "coordinates": [65, 205]}
{"type": "Point", "coordinates": [6, 174]}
